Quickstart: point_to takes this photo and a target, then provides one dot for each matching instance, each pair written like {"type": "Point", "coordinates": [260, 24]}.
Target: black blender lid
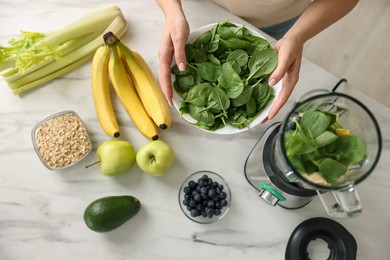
{"type": "Point", "coordinates": [342, 245]}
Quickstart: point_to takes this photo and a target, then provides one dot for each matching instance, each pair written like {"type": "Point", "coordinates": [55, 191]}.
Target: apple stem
{"type": "Point", "coordinates": [152, 160]}
{"type": "Point", "coordinates": [92, 164]}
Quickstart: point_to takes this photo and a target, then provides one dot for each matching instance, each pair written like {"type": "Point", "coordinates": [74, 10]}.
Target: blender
{"type": "Point", "coordinates": [327, 144]}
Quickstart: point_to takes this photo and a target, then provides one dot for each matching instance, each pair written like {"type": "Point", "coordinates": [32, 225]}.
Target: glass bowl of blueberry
{"type": "Point", "coordinates": [204, 197]}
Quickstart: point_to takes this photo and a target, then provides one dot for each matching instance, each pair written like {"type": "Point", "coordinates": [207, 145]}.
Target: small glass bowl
{"type": "Point", "coordinates": [186, 189]}
{"type": "Point", "coordinates": [65, 141]}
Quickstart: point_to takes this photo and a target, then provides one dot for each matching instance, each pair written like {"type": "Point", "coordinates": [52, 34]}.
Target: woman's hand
{"type": "Point", "coordinates": [174, 38]}
{"type": "Point", "coordinates": [289, 62]}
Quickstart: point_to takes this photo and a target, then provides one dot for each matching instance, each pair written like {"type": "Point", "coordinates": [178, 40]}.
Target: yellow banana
{"type": "Point", "coordinates": [126, 92]}
{"type": "Point", "coordinates": [146, 86]}
{"type": "Point", "coordinates": [101, 92]}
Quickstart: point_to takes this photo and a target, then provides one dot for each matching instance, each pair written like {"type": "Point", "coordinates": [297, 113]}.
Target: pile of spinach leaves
{"type": "Point", "coordinates": [315, 145]}
{"type": "Point", "coordinates": [225, 81]}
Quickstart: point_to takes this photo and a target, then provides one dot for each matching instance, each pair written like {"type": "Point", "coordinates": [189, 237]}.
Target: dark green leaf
{"type": "Point", "coordinates": [331, 170]}
{"type": "Point", "coordinates": [314, 123]}
{"type": "Point", "coordinates": [208, 71]}
{"type": "Point", "coordinates": [351, 148]}
{"type": "Point", "coordinates": [262, 63]}
{"type": "Point", "coordinates": [231, 83]}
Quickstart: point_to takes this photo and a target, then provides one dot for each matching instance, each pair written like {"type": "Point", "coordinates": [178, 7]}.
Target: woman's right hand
{"type": "Point", "coordinates": [174, 38]}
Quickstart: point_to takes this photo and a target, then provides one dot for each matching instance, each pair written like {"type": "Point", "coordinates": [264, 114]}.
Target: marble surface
{"type": "Point", "coordinates": [41, 211]}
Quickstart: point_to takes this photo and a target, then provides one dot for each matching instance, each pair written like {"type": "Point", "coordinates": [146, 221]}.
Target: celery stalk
{"type": "Point", "coordinates": [118, 25]}
{"type": "Point", "coordinates": [13, 74]}
{"type": "Point", "coordinates": [53, 75]}
{"type": "Point", "coordinates": [83, 27]}
{"type": "Point", "coordinates": [60, 51]}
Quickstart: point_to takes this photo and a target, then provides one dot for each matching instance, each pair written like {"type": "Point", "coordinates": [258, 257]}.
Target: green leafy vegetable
{"type": "Point", "coordinates": [313, 145]}
{"type": "Point", "coordinates": [234, 65]}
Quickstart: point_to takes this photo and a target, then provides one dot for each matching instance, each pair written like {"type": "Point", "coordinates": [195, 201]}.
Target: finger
{"type": "Point", "coordinates": [288, 84]}
{"type": "Point", "coordinates": [165, 57]}
{"type": "Point", "coordinates": [165, 81]}
{"type": "Point", "coordinates": [279, 72]}
{"type": "Point", "coordinates": [179, 50]}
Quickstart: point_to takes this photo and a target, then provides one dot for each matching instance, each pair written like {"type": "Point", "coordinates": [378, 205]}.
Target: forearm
{"type": "Point", "coordinates": [318, 16]}
{"type": "Point", "coordinates": [171, 7]}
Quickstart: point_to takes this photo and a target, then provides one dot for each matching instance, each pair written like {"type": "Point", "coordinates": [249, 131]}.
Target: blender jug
{"type": "Point", "coordinates": [329, 142]}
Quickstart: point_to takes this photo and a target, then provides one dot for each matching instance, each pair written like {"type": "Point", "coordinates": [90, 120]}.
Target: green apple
{"type": "Point", "coordinates": [116, 157]}
{"type": "Point", "coordinates": [155, 158]}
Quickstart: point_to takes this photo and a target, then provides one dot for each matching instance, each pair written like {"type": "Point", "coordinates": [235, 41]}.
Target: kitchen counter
{"type": "Point", "coordinates": [41, 211]}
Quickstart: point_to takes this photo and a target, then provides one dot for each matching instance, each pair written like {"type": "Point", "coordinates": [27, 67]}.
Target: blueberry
{"type": "Point", "coordinates": [189, 208]}
{"type": "Point", "coordinates": [224, 203]}
{"type": "Point", "coordinates": [192, 203]}
{"type": "Point", "coordinates": [223, 195]}
{"type": "Point", "coordinates": [186, 202]}
{"type": "Point", "coordinates": [205, 177]}
{"type": "Point", "coordinates": [210, 204]}
{"type": "Point", "coordinates": [197, 197]}
{"type": "Point", "coordinates": [209, 210]}
{"type": "Point", "coordinates": [201, 182]}
{"type": "Point", "coordinates": [217, 212]}
{"type": "Point", "coordinates": [192, 184]}
{"type": "Point", "coordinates": [220, 187]}
{"type": "Point", "coordinates": [200, 207]}
{"type": "Point", "coordinates": [187, 190]}
{"type": "Point", "coordinates": [204, 190]}
{"type": "Point", "coordinates": [291, 125]}
{"type": "Point", "coordinates": [187, 196]}
{"type": "Point", "coordinates": [204, 214]}
{"type": "Point", "coordinates": [211, 193]}
{"type": "Point", "coordinates": [195, 213]}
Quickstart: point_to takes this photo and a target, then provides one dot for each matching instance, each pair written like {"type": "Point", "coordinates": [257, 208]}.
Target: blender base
{"type": "Point", "coordinates": [260, 169]}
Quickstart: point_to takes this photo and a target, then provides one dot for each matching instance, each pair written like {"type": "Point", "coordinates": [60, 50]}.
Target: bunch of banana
{"type": "Point", "coordinates": [134, 84]}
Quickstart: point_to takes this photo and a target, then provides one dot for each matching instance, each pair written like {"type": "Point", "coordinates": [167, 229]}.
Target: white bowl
{"type": "Point", "coordinates": [228, 129]}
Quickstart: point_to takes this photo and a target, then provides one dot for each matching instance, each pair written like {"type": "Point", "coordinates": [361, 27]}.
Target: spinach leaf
{"type": "Point", "coordinates": [251, 107]}
{"type": "Point", "coordinates": [331, 169]}
{"type": "Point", "coordinates": [235, 43]}
{"type": "Point", "coordinates": [262, 63]}
{"type": "Point", "coordinates": [190, 52]}
{"type": "Point", "coordinates": [231, 83]}
{"type": "Point", "coordinates": [200, 55]}
{"type": "Point", "coordinates": [351, 148]}
{"type": "Point", "coordinates": [208, 71]}
{"type": "Point", "coordinates": [314, 123]}
{"type": "Point", "coordinates": [214, 60]}
{"type": "Point", "coordinates": [231, 66]}
{"type": "Point", "coordinates": [218, 100]}
{"type": "Point", "coordinates": [325, 138]}
{"type": "Point", "coordinates": [238, 56]}
{"type": "Point", "coordinates": [198, 95]}
{"type": "Point", "coordinates": [203, 39]}
{"type": "Point", "coordinates": [185, 82]}
{"type": "Point", "coordinates": [244, 97]}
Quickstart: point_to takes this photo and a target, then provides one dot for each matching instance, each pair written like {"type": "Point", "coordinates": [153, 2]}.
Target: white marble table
{"type": "Point", "coordinates": [41, 211]}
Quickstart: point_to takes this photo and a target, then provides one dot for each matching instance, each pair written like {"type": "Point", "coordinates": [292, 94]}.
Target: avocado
{"type": "Point", "coordinates": [108, 213]}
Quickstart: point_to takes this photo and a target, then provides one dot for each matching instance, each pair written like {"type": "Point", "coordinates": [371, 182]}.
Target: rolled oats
{"type": "Point", "coordinates": [62, 140]}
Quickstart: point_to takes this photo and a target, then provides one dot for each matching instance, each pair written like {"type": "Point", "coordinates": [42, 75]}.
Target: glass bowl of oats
{"type": "Point", "coordinates": [61, 140]}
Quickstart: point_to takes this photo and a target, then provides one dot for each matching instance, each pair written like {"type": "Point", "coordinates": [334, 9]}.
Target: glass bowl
{"type": "Point", "coordinates": [61, 140]}
{"type": "Point", "coordinates": [204, 197]}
